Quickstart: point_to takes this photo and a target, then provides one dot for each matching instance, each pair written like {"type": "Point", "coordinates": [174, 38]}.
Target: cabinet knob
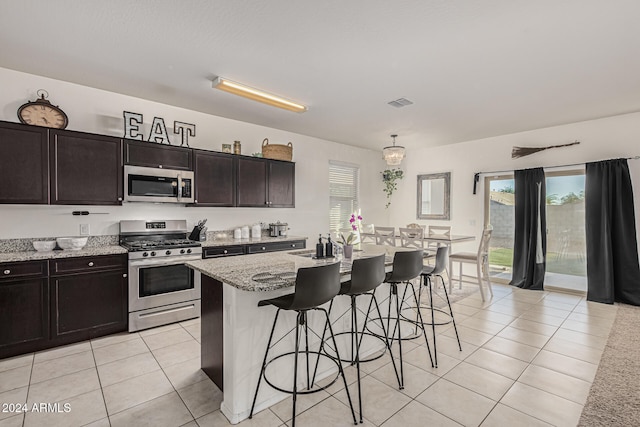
{"type": "Point", "coordinates": [125, 275]}
{"type": "Point", "coordinates": [7, 272]}
{"type": "Point", "coordinates": [90, 264]}
{"type": "Point", "coordinates": [226, 251]}
{"type": "Point", "coordinates": [195, 201]}
{"type": "Point", "coordinates": [119, 199]}
{"type": "Point", "coordinates": [293, 245]}
{"type": "Point", "coordinates": [264, 249]}
{"type": "Point", "coordinates": [160, 166]}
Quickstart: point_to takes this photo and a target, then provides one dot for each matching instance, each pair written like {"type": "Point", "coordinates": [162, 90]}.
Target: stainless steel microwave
{"type": "Point", "coordinates": [143, 184]}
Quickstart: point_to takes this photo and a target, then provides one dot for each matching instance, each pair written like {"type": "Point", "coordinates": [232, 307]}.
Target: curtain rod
{"type": "Point", "coordinates": [476, 176]}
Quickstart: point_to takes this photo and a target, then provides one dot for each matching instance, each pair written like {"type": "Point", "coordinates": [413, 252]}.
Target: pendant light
{"type": "Point", "coordinates": [393, 154]}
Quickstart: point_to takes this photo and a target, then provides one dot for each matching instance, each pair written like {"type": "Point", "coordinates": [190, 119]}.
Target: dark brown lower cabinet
{"type": "Point", "coordinates": [85, 306]}
{"type": "Point", "coordinates": [45, 304]}
{"type": "Point", "coordinates": [211, 347]}
{"type": "Point", "coordinates": [24, 308]}
{"type": "Point", "coordinates": [90, 302]}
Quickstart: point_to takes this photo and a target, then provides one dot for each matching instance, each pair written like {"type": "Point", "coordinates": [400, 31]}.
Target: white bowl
{"type": "Point", "coordinates": [72, 243]}
{"type": "Point", "coordinates": [44, 245]}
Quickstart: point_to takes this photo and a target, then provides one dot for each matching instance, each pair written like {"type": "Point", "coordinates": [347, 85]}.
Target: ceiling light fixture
{"type": "Point", "coordinates": [257, 95]}
{"type": "Point", "coordinates": [393, 154]}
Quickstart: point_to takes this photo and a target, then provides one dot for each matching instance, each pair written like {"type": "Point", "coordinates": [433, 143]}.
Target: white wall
{"type": "Point", "coordinates": [601, 139]}
{"type": "Point", "coordinates": [97, 111]}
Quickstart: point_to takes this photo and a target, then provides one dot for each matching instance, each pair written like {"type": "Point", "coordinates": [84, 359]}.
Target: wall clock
{"type": "Point", "coordinates": [42, 113]}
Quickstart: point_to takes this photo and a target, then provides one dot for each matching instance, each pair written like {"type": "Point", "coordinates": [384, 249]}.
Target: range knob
{"type": "Point", "coordinates": [153, 254]}
{"type": "Point", "coordinates": [145, 254]}
{"type": "Point", "coordinates": [188, 251]}
{"type": "Point", "coordinates": [168, 253]}
{"type": "Point", "coordinates": [181, 251]}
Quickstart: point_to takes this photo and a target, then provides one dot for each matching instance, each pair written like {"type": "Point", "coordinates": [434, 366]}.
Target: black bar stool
{"type": "Point", "coordinates": [407, 265]}
{"type": "Point", "coordinates": [314, 287]}
{"type": "Point", "coordinates": [442, 260]}
{"type": "Point", "coordinates": [366, 275]}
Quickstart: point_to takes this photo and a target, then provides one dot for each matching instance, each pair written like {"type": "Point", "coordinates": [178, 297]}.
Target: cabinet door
{"type": "Point", "coordinates": [252, 182]}
{"type": "Point", "coordinates": [84, 306]}
{"type": "Point", "coordinates": [86, 169]}
{"type": "Point", "coordinates": [154, 155]}
{"type": "Point", "coordinates": [281, 184]}
{"type": "Point", "coordinates": [24, 316]}
{"type": "Point", "coordinates": [24, 164]}
{"type": "Point", "coordinates": [215, 175]}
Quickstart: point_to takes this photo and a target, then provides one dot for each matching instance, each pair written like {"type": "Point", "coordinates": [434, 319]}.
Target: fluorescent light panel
{"type": "Point", "coordinates": [257, 95]}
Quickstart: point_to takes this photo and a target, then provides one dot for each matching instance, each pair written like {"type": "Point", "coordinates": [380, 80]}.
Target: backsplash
{"type": "Point", "coordinates": [22, 245]}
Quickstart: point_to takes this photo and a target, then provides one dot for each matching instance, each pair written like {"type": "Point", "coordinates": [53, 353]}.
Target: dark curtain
{"type": "Point", "coordinates": [612, 252]}
{"type": "Point", "coordinates": [530, 239]}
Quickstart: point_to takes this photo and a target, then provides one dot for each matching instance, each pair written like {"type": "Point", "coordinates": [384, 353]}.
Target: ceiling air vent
{"type": "Point", "coordinates": [399, 103]}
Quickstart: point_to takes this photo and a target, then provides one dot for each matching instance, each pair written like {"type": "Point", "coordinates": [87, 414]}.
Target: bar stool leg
{"type": "Point", "coordinates": [344, 379]}
{"type": "Point", "coordinates": [427, 279]}
{"type": "Point", "coordinates": [453, 320]}
{"type": "Point", "coordinates": [386, 339]}
{"type": "Point", "coordinates": [397, 326]}
{"type": "Point", "coordinates": [324, 333]}
{"type": "Point", "coordinates": [306, 338]}
{"type": "Point", "coordinates": [264, 363]}
{"type": "Point", "coordinates": [424, 331]}
{"type": "Point", "coordinates": [299, 321]}
{"type": "Point", "coordinates": [357, 358]}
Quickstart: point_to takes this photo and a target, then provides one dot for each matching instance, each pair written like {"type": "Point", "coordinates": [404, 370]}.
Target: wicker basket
{"type": "Point", "coordinates": [277, 151]}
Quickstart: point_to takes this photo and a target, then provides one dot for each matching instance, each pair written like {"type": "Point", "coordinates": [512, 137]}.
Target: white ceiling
{"type": "Point", "coordinates": [472, 68]}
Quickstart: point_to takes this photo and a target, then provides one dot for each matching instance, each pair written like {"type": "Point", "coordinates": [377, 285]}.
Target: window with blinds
{"type": "Point", "coordinates": [344, 184]}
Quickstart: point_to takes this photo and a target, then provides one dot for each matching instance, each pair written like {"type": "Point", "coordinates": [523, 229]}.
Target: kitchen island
{"type": "Point", "coordinates": [235, 331]}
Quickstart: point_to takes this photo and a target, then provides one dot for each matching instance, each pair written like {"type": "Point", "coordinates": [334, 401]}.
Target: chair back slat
{"type": "Point", "coordinates": [483, 248]}
{"type": "Point", "coordinates": [385, 236]}
{"type": "Point", "coordinates": [412, 238]}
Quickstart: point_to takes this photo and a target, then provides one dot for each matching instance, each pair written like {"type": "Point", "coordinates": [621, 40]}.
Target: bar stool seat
{"type": "Point", "coordinates": [314, 287]}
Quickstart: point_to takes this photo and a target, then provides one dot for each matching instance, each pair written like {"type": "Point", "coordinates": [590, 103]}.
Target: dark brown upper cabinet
{"type": "Point", "coordinates": [154, 155]}
{"type": "Point", "coordinates": [86, 169]}
{"type": "Point", "coordinates": [265, 183]}
{"type": "Point", "coordinates": [215, 178]}
{"type": "Point", "coordinates": [281, 184]}
{"type": "Point", "coordinates": [24, 171]}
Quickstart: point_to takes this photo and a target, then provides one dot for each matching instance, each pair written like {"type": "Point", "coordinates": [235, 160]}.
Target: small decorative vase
{"type": "Point", "coordinates": [348, 251]}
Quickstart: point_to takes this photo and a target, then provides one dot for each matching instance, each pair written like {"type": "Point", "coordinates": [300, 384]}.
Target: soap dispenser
{"type": "Point", "coordinates": [328, 251]}
{"type": "Point", "coordinates": [319, 248]}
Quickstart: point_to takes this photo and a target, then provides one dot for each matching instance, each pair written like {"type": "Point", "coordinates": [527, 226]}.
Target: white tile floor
{"type": "Point", "coordinates": [528, 359]}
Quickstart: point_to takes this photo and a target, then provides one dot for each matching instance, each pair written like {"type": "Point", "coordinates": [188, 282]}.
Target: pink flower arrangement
{"type": "Point", "coordinates": [355, 222]}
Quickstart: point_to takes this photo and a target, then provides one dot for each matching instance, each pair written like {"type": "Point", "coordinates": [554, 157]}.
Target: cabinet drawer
{"type": "Point", "coordinates": [87, 264]}
{"type": "Point", "coordinates": [277, 246]}
{"type": "Point", "coordinates": [13, 270]}
{"type": "Point", "coordinates": [223, 251]}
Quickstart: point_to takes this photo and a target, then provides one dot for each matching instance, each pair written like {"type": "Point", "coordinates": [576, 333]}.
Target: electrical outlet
{"type": "Point", "coordinates": [84, 229]}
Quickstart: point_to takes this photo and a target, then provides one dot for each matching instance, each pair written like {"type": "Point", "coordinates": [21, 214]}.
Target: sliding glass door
{"type": "Point", "coordinates": [566, 249]}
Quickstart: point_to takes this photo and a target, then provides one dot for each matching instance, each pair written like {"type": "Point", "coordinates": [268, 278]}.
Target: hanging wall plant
{"type": "Point", "coordinates": [389, 177]}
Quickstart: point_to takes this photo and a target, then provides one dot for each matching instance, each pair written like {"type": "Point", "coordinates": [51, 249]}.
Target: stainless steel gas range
{"type": "Point", "coordinates": [162, 289]}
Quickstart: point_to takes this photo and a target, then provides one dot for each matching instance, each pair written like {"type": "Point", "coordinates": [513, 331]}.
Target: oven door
{"type": "Point", "coordinates": [160, 282]}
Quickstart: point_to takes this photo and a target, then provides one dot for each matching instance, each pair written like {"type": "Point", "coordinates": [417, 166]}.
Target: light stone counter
{"type": "Point", "coordinates": [240, 271]}
{"type": "Point", "coordinates": [85, 252]}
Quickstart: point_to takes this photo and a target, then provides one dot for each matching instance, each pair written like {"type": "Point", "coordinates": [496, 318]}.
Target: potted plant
{"type": "Point", "coordinates": [389, 177]}
{"type": "Point", "coordinates": [347, 242]}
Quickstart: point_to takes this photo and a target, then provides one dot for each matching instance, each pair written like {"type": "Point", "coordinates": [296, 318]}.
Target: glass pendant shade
{"type": "Point", "coordinates": [393, 155]}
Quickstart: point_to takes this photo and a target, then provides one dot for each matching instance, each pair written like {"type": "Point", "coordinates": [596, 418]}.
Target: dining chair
{"type": "Point", "coordinates": [411, 238]}
{"type": "Point", "coordinates": [385, 236]}
{"type": "Point", "coordinates": [438, 231]}
{"type": "Point", "coordinates": [480, 258]}
{"type": "Point", "coordinates": [367, 233]}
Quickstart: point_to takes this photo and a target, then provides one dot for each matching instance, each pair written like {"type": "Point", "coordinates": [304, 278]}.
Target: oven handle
{"type": "Point", "coordinates": [151, 262]}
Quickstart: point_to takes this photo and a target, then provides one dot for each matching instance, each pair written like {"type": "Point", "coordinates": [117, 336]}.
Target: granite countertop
{"type": "Point", "coordinates": [233, 242]}
{"type": "Point", "coordinates": [35, 255]}
{"type": "Point", "coordinates": [276, 269]}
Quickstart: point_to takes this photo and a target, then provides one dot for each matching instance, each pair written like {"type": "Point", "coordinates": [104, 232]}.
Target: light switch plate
{"type": "Point", "coordinates": [85, 229]}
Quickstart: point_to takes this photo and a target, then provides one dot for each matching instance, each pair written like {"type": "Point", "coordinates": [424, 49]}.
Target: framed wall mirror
{"type": "Point", "coordinates": [433, 196]}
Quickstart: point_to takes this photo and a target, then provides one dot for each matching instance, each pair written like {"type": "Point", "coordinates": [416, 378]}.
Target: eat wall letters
{"type": "Point", "coordinates": [158, 133]}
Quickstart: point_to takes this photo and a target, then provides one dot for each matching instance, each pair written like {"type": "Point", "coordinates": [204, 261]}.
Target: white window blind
{"type": "Point", "coordinates": [344, 189]}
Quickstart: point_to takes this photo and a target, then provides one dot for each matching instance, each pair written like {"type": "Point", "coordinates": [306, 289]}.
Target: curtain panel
{"type": "Point", "coordinates": [613, 274]}
{"type": "Point", "coordinates": [530, 237]}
